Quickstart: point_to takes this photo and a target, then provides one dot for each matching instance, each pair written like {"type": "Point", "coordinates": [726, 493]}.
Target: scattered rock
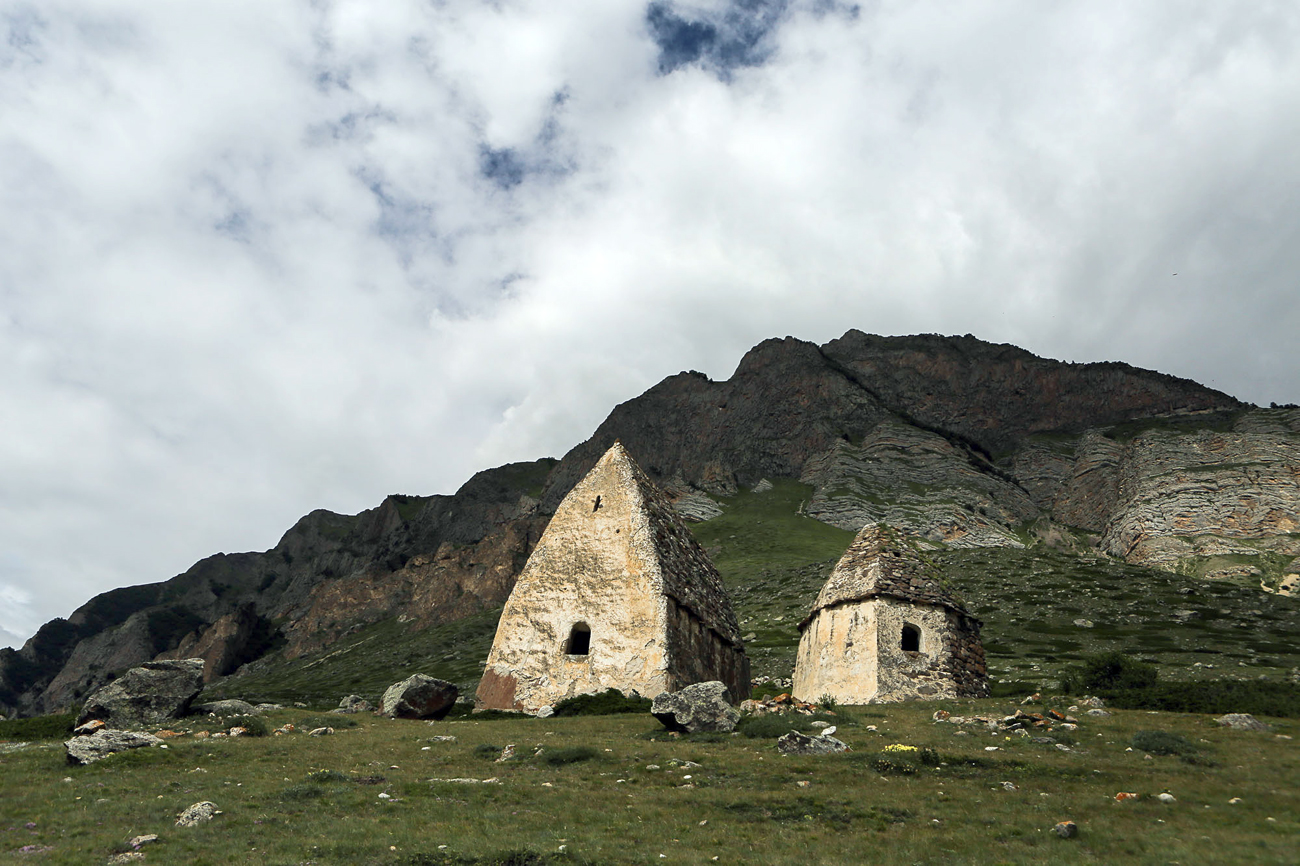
{"type": "Point", "coordinates": [1066, 829]}
{"type": "Point", "coordinates": [238, 731]}
{"type": "Point", "coordinates": [1241, 722]}
{"type": "Point", "coordinates": [762, 486]}
{"type": "Point", "coordinates": [1097, 712]}
{"type": "Point", "coordinates": [419, 697]}
{"type": "Point", "coordinates": [1126, 795]}
{"type": "Point", "coordinates": [1234, 801]}
{"type": "Point", "coordinates": [820, 724]}
{"type": "Point", "coordinates": [320, 732]}
{"type": "Point", "coordinates": [353, 704]}
{"type": "Point", "coordinates": [227, 708]}
{"type": "Point", "coordinates": [138, 841]}
{"type": "Point", "coordinates": [147, 695]}
{"type": "Point", "coordinates": [1090, 701]}
{"type": "Point", "coordinates": [506, 754]}
{"type": "Point", "coordinates": [104, 742]}
{"type": "Point", "coordinates": [1031, 699]}
{"type": "Point", "coordinates": [443, 738]}
{"type": "Point", "coordinates": [198, 814]}
{"type": "Point", "coordinates": [1008, 786]}
{"type": "Point", "coordinates": [795, 743]}
{"type": "Point", "coordinates": [126, 857]}
{"type": "Point", "coordinates": [545, 712]}
{"type": "Point", "coordinates": [698, 707]}
{"type": "Point", "coordinates": [1083, 623]}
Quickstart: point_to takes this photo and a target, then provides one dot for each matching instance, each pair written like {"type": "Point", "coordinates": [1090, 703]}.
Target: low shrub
{"type": "Point", "coordinates": [1163, 743]}
{"type": "Point", "coordinates": [569, 755]}
{"type": "Point", "coordinates": [1211, 696]}
{"type": "Point", "coordinates": [56, 727]}
{"type": "Point", "coordinates": [1108, 671]}
{"type": "Point", "coordinates": [607, 703]}
{"type": "Point", "coordinates": [325, 776]}
{"type": "Point", "coordinates": [255, 726]}
{"type": "Point", "coordinates": [487, 751]}
{"type": "Point", "coordinates": [900, 760]}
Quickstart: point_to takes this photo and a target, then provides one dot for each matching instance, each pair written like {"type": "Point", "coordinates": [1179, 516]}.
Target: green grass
{"type": "Point", "coordinates": [295, 799]}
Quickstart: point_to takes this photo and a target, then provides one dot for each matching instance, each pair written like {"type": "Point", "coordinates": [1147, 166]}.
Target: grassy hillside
{"type": "Point", "coordinates": [1042, 609]}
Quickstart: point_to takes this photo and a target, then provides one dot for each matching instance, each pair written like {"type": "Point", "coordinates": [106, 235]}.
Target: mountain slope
{"type": "Point", "coordinates": [970, 444]}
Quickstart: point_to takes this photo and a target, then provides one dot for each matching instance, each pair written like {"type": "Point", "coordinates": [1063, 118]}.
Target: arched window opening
{"type": "Point", "coordinates": [911, 638]}
{"type": "Point", "coordinates": [579, 642]}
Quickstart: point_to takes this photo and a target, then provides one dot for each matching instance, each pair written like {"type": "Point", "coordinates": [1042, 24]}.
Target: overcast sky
{"type": "Point", "coordinates": [264, 256]}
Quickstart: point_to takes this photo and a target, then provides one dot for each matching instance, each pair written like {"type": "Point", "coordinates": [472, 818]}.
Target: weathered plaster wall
{"type": "Point", "coordinates": [837, 655]}
{"type": "Point", "coordinates": [594, 566]}
{"type": "Point", "coordinates": [853, 652]}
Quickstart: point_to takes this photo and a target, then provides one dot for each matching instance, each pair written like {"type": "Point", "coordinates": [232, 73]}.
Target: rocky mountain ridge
{"type": "Point", "coordinates": [964, 442]}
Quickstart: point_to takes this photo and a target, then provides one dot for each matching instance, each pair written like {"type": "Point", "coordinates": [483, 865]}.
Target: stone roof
{"type": "Point", "coordinates": [689, 576]}
{"type": "Point", "coordinates": [881, 562]}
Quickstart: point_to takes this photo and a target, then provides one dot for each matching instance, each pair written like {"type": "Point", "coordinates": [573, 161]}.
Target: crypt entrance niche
{"type": "Point", "coordinates": [579, 642]}
{"type": "Point", "coordinates": [911, 638]}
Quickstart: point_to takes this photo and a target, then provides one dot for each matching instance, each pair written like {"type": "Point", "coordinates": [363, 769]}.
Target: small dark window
{"type": "Point", "coordinates": [596, 507]}
{"type": "Point", "coordinates": [911, 638]}
{"type": "Point", "coordinates": [579, 643]}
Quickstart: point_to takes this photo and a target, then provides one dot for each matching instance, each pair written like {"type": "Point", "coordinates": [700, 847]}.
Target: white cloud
{"type": "Point", "coordinates": [252, 265]}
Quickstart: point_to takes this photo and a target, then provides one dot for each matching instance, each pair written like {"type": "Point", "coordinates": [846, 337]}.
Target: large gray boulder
{"type": "Point", "coordinates": [419, 697]}
{"type": "Point", "coordinates": [105, 742]}
{"type": "Point", "coordinates": [795, 743]}
{"type": "Point", "coordinates": [698, 707]}
{"type": "Point", "coordinates": [230, 707]}
{"type": "Point", "coordinates": [153, 693]}
{"type": "Point", "coordinates": [1241, 722]}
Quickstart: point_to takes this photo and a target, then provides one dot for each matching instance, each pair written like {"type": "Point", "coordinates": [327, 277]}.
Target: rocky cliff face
{"type": "Point", "coordinates": [965, 442]}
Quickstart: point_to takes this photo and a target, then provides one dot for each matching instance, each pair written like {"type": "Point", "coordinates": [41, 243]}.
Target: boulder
{"type": "Point", "coordinates": [1066, 829]}
{"type": "Point", "coordinates": [419, 697]}
{"type": "Point", "coordinates": [795, 743]}
{"type": "Point", "coordinates": [698, 707]}
{"type": "Point", "coordinates": [152, 693]}
{"type": "Point", "coordinates": [353, 704]}
{"type": "Point", "coordinates": [1241, 722]}
{"type": "Point", "coordinates": [104, 742]}
{"type": "Point", "coordinates": [227, 708]}
{"type": "Point", "coordinates": [198, 814]}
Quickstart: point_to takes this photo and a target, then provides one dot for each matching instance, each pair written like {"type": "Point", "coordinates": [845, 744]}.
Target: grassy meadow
{"type": "Point", "coordinates": [618, 789]}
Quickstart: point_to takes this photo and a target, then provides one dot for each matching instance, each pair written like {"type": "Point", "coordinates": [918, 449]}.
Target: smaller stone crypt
{"type": "Point", "coordinates": [617, 594]}
{"type": "Point", "coordinates": [884, 628]}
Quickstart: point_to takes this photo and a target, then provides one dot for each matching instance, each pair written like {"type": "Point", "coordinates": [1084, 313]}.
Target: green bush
{"type": "Point", "coordinates": [1109, 671]}
{"type": "Point", "coordinates": [1163, 743]}
{"type": "Point", "coordinates": [607, 703]}
{"type": "Point", "coordinates": [569, 755]}
{"type": "Point", "coordinates": [1212, 696]}
{"type": "Point", "coordinates": [256, 726]}
{"type": "Point", "coordinates": [487, 751]}
{"type": "Point", "coordinates": [38, 728]}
